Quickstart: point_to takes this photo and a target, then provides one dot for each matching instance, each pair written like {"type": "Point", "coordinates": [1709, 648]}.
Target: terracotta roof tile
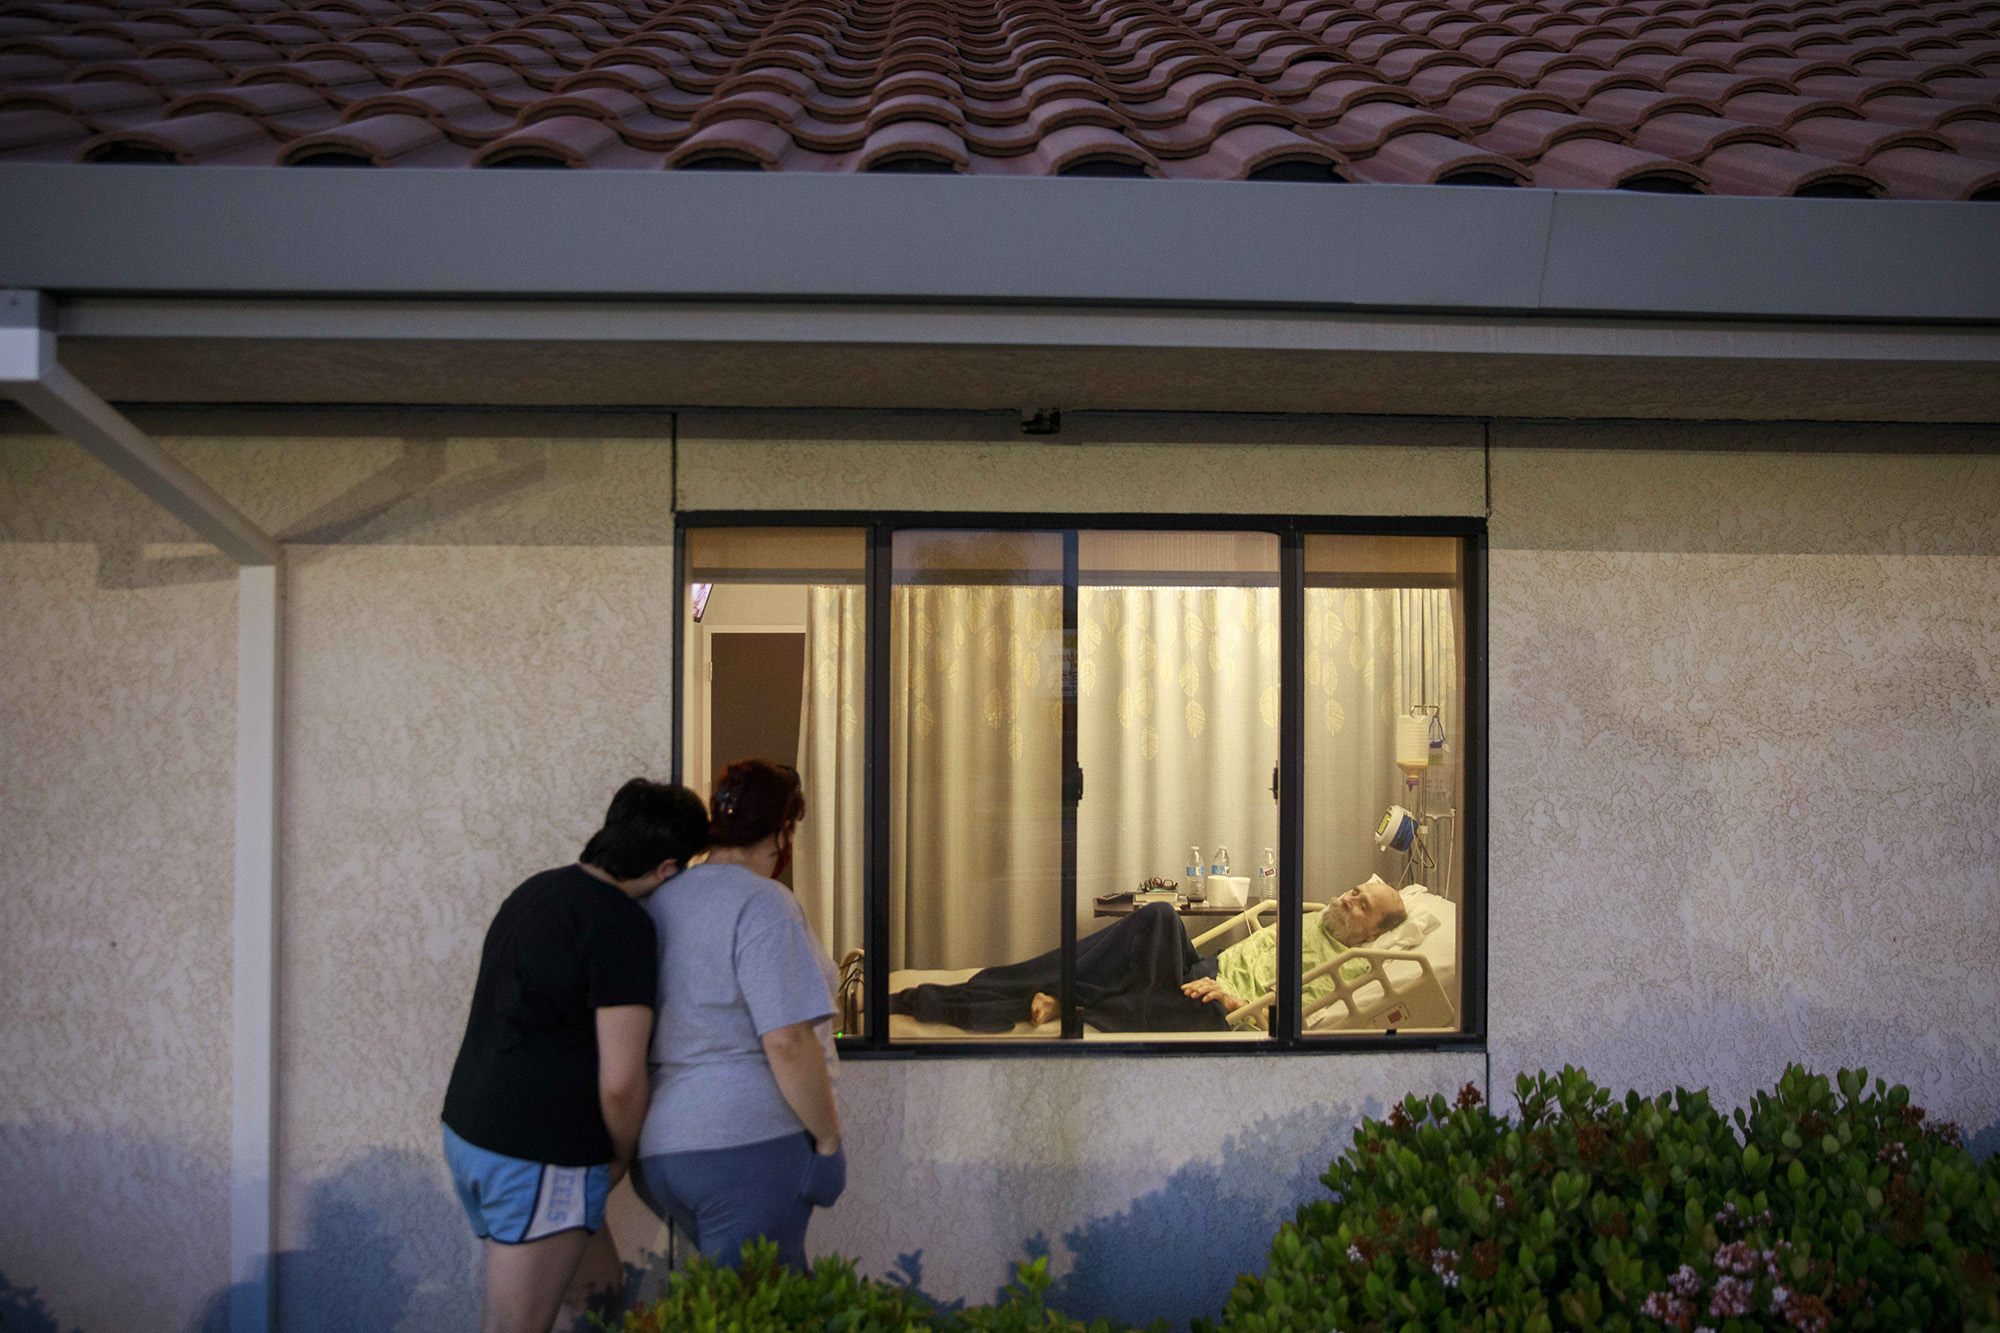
{"type": "Point", "coordinates": [1754, 168]}
{"type": "Point", "coordinates": [1871, 96]}
{"type": "Point", "coordinates": [376, 141]}
{"type": "Point", "coordinates": [1844, 139]}
{"type": "Point", "coordinates": [1975, 138]}
{"type": "Point", "coordinates": [1597, 164]}
{"type": "Point", "coordinates": [214, 136]}
{"type": "Point", "coordinates": [40, 135]}
{"type": "Point", "coordinates": [1690, 137]}
{"type": "Point", "coordinates": [1431, 159]}
{"type": "Point", "coordinates": [1922, 173]}
{"type": "Point", "coordinates": [102, 105]}
{"type": "Point", "coordinates": [1528, 134]}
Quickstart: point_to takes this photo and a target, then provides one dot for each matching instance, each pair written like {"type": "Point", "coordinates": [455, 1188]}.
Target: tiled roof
{"type": "Point", "coordinates": [1883, 98]}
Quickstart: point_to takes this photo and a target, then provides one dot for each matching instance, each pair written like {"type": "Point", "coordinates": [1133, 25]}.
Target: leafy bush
{"type": "Point", "coordinates": [1820, 1209]}
{"type": "Point", "coordinates": [763, 1296]}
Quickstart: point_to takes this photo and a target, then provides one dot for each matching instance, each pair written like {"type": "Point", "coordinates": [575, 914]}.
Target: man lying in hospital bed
{"type": "Point", "coordinates": [1368, 960]}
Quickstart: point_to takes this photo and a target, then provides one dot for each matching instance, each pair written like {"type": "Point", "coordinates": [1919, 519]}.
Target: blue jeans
{"type": "Point", "coordinates": [726, 1196]}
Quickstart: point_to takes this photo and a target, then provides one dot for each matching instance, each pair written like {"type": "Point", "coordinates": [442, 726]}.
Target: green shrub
{"type": "Point", "coordinates": [765, 1297]}
{"type": "Point", "coordinates": [1820, 1209]}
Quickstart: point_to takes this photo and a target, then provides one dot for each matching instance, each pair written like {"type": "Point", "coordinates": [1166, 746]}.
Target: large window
{"type": "Point", "coordinates": [1102, 783]}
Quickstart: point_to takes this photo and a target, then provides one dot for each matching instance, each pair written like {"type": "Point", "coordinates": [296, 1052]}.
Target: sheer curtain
{"type": "Point", "coordinates": [1177, 732]}
{"type": "Point", "coordinates": [1177, 737]}
{"type": "Point", "coordinates": [975, 793]}
{"type": "Point", "coordinates": [1371, 655]}
{"type": "Point", "coordinates": [826, 860]}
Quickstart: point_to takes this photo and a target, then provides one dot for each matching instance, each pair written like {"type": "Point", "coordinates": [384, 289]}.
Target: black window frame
{"type": "Point", "coordinates": [1291, 530]}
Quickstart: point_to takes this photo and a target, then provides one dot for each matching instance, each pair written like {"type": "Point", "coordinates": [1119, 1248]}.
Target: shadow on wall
{"type": "Point", "coordinates": [1984, 1143]}
{"type": "Point", "coordinates": [1175, 1253]}
{"type": "Point", "coordinates": [412, 494]}
{"type": "Point", "coordinates": [388, 1249]}
{"type": "Point", "coordinates": [22, 1311]}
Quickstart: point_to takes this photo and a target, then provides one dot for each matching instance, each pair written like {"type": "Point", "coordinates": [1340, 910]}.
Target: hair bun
{"type": "Point", "coordinates": [754, 798]}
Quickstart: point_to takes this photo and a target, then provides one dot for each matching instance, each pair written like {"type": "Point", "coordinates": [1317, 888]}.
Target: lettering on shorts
{"type": "Point", "coordinates": [561, 1203]}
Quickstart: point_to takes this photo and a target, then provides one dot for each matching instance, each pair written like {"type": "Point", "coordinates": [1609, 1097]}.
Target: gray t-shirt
{"type": "Point", "coordinates": [737, 960]}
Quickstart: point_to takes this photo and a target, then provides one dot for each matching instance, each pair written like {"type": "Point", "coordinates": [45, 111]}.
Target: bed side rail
{"type": "Point", "coordinates": [1345, 991]}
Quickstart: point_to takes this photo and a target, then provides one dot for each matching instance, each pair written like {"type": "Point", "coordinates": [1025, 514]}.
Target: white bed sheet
{"type": "Point", "coordinates": [1439, 948]}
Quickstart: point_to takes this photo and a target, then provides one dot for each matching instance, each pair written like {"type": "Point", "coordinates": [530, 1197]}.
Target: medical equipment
{"type": "Point", "coordinates": [1401, 831]}
{"type": "Point", "coordinates": [1397, 831]}
{"type": "Point", "coordinates": [1413, 747]}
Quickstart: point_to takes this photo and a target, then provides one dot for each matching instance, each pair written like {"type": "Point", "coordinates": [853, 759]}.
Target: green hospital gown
{"type": "Point", "coordinates": [1249, 969]}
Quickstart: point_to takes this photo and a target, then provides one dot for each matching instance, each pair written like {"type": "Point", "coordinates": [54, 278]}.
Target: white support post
{"type": "Point", "coordinates": [253, 1046]}
{"type": "Point", "coordinates": [30, 374]}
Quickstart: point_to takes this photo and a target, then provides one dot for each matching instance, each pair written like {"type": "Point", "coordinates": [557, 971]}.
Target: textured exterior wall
{"type": "Point", "coordinates": [1100, 463]}
{"type": "Point", "coordinates": [1743, 750]}
{"type": "Point", "coordinates": [117, 716]}
{"type": "Point", "coordinates": [1149, 1183]}
{"type": "Point", "coordinates": [1746, 746]}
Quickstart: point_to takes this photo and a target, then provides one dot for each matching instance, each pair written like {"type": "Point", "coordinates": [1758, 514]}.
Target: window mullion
{"type": "Point", "coordinates": [1072, 788]}
{"type": "Point", "coordinates": [1291, 782]}
{"type": "Point", "coordinates": [676, 764]}
{"type": "Point", "coordinates": [875, 799]}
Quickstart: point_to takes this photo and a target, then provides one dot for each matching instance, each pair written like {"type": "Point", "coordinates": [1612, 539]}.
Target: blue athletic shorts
{"type": "Point", "coordinates": [512, 1201]}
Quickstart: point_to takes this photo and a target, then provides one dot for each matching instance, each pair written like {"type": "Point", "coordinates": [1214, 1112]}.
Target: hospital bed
{"type": "Point", "coordinates": [1410, 984]}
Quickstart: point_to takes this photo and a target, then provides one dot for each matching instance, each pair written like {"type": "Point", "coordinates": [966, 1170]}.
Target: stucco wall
{"type": "Point", "coordinates": [1745, 745]}
{"type": "Point", "coordinates": [117, 719]}
{"type": "Point", "coordinates": [1743, 753]}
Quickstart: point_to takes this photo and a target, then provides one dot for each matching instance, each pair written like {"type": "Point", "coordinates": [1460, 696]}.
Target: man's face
{"type": "Point", "coordinates": [1356, 917]}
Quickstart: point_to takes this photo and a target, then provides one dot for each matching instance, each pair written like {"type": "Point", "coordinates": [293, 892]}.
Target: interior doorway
{"type": "Point", "coordinates": [756, 682]}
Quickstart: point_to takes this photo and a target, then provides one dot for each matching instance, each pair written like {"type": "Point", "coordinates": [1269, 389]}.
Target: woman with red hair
{"type": "Point", "coordinates": [742, 1138]}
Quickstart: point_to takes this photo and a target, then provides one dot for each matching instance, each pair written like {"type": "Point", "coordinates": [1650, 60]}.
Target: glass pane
{"type": "Point", "coordinates": [775, 636]}
{"type": "Point", "coordinates": [1177, 736]}
{"type": "Point", "coordinates": [975, 783]}
{"type": "Point", "coordinates": [1384, 729]}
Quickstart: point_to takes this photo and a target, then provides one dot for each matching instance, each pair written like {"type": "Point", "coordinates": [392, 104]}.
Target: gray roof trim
{"type": "Point", "coordinates": [794, 236]}
{"type": "Point", "coordinates": [827, 323]}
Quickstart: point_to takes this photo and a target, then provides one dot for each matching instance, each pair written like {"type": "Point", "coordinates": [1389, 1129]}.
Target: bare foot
{"type": "Point", "coordinates": [1044, 1009]}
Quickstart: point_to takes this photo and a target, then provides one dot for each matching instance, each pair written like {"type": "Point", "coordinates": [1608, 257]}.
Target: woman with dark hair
{"type": "Point", "coordinates": [742, 1138]}
{"type": "Point", "coordinates": [549, 1091]}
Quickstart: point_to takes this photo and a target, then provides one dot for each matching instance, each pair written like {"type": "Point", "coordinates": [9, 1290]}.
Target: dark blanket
{"type": "Point", "coordinates": [1128, 979]}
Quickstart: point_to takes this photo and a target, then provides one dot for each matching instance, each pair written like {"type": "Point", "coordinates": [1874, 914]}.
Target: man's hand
{"type": "Point", "coordinates": [1208, 988]}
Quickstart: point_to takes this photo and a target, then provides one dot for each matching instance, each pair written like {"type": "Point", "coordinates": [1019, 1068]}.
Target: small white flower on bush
{"type": "Point", "coordinates": [1686, 1283]}
{"type": "Point", "coordinates": [1353, 1256]}
{"type": "Point", "coordinates": [1668, 1309]}
{"type": "Point", "coordinates": [1445, 1264]}
{"type": "Point", "coordinates": [1731, 1299]}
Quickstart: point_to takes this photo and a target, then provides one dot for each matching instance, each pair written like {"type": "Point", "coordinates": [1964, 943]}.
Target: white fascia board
{"type": "Point", "coordinates": [1013, 326]}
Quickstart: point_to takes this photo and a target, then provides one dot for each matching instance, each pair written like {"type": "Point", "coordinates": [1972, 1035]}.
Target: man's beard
{"type": "Point", "coordinates": [1342, 931]}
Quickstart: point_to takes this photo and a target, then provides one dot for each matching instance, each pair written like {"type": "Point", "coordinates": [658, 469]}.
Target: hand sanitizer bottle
{"type": "Point", "coordinates": [1192, 887]}
{"type": "Point", "coordinates": [1267, 875]}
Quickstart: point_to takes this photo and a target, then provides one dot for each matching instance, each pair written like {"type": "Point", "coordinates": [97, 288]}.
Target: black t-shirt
{"type": "Point", "coordinates": [562, 946]}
